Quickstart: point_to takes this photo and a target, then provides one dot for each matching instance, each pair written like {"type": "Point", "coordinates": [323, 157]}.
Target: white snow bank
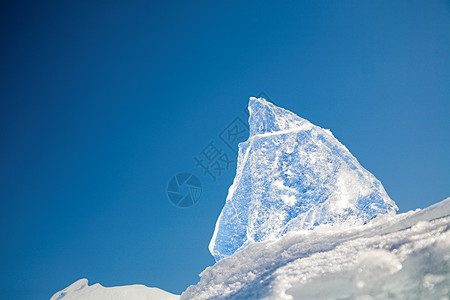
{"type": "Point", "coordinates": [392, 257]}
{"type": "Point", "coordinates": [80, 290]}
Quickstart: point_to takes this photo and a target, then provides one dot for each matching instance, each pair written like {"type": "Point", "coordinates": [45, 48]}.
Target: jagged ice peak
{"type": "Point", "coordinates": [292, 175]}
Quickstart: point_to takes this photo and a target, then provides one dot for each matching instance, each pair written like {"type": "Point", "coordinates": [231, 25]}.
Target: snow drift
{"type": "Point", "coordinates": [80, 290]}
{"type": "Point", "coordinates": [406, 256]}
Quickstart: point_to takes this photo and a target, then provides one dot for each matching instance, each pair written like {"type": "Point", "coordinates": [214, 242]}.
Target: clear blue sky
{"type": "Point", "coordinates": [102, 102]}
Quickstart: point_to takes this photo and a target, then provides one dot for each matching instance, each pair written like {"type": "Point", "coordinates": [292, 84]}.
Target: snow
{"type": "Point", "coordinates": [405, 256]}
{"type": "Point", "coordinates": [80, 290]}
{"type": "Point", "coordinates": [292, 175]}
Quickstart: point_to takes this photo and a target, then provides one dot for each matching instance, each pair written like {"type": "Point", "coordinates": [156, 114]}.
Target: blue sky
{"type": "Point", "coordinates": [102, 102]}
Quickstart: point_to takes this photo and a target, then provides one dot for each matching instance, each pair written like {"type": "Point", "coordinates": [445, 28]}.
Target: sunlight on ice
{"type": "Point", "coordinates": [292, 175]}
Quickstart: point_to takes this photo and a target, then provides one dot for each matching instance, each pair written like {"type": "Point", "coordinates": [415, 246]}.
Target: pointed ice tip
{"type": "Point", "coordinates": [255, 103]}
{"type": "Point", "coordinates": [265, 117]}
{"type": "Point", "coordinates": [259, 99]}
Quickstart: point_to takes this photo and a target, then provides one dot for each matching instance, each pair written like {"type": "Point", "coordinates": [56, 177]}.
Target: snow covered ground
{"type": "Point", "coordinates": [406, 256]}
{"type": "Point", "coordinates": [80, 290]}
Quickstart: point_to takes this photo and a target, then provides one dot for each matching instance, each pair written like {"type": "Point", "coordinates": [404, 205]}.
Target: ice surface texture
{"type": "Point", "coordinates": [292, 175]}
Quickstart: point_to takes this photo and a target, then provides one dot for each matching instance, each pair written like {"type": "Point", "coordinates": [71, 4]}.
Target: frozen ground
{"type": "Point", "coordinates": [304, 220]}
{"type": "Point", "coordinates": [406, 256]}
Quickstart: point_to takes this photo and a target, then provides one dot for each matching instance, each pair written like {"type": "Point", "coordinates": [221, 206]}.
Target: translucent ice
{"type": "Point", "coordinates": [292, 175]}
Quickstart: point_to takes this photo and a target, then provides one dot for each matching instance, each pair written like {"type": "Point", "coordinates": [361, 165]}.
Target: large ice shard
{"type": "Point", "coordinates": [292, 175]}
